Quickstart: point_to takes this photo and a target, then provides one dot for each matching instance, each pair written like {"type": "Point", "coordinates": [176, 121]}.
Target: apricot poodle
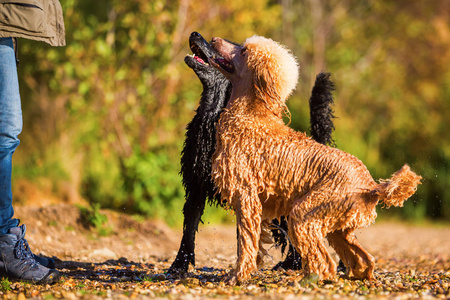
{"type": "Point", "coordinates": [264, 169]}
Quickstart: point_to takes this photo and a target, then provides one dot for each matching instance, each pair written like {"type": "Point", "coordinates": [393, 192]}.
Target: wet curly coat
{"type": "Point", "coordinates": [199, 147]}
{"type": "Point", "coordinates": [264, 169]}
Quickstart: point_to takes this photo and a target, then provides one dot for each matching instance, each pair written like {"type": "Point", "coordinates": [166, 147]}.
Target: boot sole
{"type": "Point", "coordinates": [51, 277]}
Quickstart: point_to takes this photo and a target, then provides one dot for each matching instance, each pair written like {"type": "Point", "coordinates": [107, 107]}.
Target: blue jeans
{"type": "Point", "coordinates": [10, 127]}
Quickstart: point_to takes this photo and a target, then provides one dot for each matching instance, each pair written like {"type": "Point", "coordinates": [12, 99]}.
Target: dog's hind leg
{"type": "Point", "coordinates": [306, 230]}
{"type": "Point", "coordinates": [321, 126]}
{"type": "Point", "coordinates": [359, 263]}
{"type": "Point", "coordinates": [309, 242]}
{"type": "Point", "coordinates": [293, 260]}
{"type": "Point", "coordinates": [265, 238]}
{"type": "Point", "coordinates": [193, 211]}
{"type": "Point", "coordinates": [248, 211]}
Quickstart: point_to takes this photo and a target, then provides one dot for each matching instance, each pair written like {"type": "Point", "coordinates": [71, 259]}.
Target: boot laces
{"type": "Point", "coordinates": [22, 251]}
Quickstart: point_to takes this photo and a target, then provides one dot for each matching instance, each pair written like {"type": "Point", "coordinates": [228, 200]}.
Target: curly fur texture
{"type": "Point", "coordinates": [199, 146]}
{"type": "Point", "coordinates": [264, 169]}
{"type": "Point", "coordinates": [283, 75]}
{"type": "Point", "coordinates": [321, 113]}
{"type": "Point", "coordinates": [321, 129]}
{"type": "Point", "coordinates": [197, 152]}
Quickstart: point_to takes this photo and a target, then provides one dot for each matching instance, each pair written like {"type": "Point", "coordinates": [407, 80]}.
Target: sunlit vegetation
{"type": "Point", "coordinates": [104, 117]}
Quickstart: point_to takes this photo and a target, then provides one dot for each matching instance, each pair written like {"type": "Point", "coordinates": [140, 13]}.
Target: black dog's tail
{"type": "Point", "coordinates": [321, 113]}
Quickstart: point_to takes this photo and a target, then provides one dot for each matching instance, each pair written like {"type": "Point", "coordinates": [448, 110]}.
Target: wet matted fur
{"type": "Point", "coordinates": [264, 169]}
{"type": "Point", "coordinates": [199, 146]}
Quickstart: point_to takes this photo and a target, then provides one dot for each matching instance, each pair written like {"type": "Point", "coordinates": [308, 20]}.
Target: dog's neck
{"type": "Point", "coordinates": [248, 104]}
{"type": "Point", "coordinates": [241, 88]}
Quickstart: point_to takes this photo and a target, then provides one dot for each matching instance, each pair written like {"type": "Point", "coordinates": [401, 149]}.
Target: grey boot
{"type": "Point", "coordinates": [18, 261]}
{"type": "Point", "coordinates": [43, 261]}
{"type": "Point", "coordinates": [20, 232]}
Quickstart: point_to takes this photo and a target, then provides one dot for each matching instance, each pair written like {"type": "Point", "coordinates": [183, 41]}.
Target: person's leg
{"type": "Point", "coordinates": [10, 127]}
{"type": "Point", "coordinates": [16, 258]}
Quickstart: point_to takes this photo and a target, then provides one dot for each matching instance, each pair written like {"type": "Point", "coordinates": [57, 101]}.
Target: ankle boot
{"type": "Point", "coordinates": [17, 260]}
{"type": "Point", "coordinates": [20, 232]}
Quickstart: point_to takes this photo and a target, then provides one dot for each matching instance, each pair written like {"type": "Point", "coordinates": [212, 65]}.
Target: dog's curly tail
{"type": "Point", "coordinates": [397, 189]}
{"type": "Point", "coordinates": [321, 111]}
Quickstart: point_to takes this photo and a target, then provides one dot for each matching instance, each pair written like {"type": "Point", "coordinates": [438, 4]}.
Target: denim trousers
{"type": "Point", "coordinates": [10, 128]}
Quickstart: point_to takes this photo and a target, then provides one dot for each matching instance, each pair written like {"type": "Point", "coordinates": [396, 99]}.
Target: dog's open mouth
{"type": "Point", "coordinates": [198, 54]}
{"type": "Point", "coordinates": [223, 63]}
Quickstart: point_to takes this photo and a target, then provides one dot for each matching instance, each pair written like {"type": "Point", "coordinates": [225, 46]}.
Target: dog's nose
{"type": "Point", "coordinates": [215, 40]}
{"type": "Point", "coordinates": [195, 33]}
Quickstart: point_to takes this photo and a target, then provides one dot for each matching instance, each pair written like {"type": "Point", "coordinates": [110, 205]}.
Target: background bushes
{"type": "Point", "coordinates": [104, 117]}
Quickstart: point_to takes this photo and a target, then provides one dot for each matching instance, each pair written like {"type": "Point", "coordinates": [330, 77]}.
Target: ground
{"type": "Point", "coordinates": [128, 257]}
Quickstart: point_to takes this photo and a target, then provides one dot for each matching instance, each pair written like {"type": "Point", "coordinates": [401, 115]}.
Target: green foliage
{"type": "Point", "coordinates": [5, 285]}
{"type": "Point", "coordinates": [389, 65]}
{"type": "Point", "coordinates": [93, 217]}
{"type": "Point", "coordinates": [147, 279]}
{"type": "Point", "coordinates": [117, 98]}
{"type": "Point", "coordinates": [107, 113]}
{"type": "Point", "coordinates": [152, 185]}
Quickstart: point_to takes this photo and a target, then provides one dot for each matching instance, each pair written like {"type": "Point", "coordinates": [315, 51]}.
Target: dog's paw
{"type": "Point", "coordinates": [231, 279]}
{"type": "Point", "coordinates": [177, 274]}
{"type": "Point", "coordinates": [288, 264]}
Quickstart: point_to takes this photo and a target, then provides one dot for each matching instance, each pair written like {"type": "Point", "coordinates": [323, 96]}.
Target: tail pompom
{"type": "Point", "coordinates": [397, 189]}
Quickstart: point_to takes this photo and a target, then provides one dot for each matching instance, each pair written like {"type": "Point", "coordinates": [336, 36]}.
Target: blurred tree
{"type": "Point", "coordinates": [389, 61]}
{"type": "Point", "coordinates": [105, 115]}
{"type": "Point", "coordinates": [109, 109]}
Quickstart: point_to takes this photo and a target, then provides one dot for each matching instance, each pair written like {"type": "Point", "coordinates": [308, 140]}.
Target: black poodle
{"type": "Point", "coordinates": [199, 147]}
{"type": "Point", "coordinates": [200, 142]}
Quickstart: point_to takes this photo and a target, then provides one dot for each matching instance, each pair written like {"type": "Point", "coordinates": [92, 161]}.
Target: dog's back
{"type": "Point", "coordinates": [281, 161]}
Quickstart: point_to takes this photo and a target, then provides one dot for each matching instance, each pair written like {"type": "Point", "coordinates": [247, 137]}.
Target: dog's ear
{"type": "Point", "coordinates": [266, 89]}
{"type": "Point", "coordinates": [275, 72]}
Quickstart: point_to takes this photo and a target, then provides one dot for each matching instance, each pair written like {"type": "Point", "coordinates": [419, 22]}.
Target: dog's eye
{"type": "Point", "coordinates": [243, 50]}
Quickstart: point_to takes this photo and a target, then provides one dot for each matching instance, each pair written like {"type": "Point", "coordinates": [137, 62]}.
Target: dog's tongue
{"type": "Point", "coordinates": [199, 59]}
{"type": "Point", "coordinates": [224, 62]}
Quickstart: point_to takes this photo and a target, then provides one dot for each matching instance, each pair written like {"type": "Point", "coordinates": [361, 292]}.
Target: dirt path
{"type": "Point", "coordinates": [131, 259]}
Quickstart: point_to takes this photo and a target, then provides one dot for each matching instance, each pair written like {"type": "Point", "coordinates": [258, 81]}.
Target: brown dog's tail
{"type": "Point", "coordinates": [401, 186]}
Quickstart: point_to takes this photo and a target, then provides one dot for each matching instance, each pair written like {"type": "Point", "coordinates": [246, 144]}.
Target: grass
{"type": "Point", "coordinates": [52, 223]}
{"type": "Point", "coordinates": [138, 218]}
{"type": "Point", "coordinates": [5, 284]}
{"type": "Point", "coordinates": [105, 231]}
{"type": "Point", "coordinates": [94, 218]}
{"type": "Point", "coordinates": [69, 228]}
{"type": "Point", "coordinates": [80, 286]}
{"type": "Point", "coordinates": [147, 279]}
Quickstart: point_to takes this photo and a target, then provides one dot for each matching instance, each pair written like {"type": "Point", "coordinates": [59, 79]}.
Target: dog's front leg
{"type": "Point", "coordinates": [248, 211]}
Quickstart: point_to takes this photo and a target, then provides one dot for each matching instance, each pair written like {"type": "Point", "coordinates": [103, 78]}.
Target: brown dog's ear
{"type": "Point", "coordinates": [267, 89]}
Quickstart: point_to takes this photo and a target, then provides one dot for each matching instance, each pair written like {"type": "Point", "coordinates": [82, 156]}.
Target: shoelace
{"type": "Point", "coordinates": [22, 251]}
